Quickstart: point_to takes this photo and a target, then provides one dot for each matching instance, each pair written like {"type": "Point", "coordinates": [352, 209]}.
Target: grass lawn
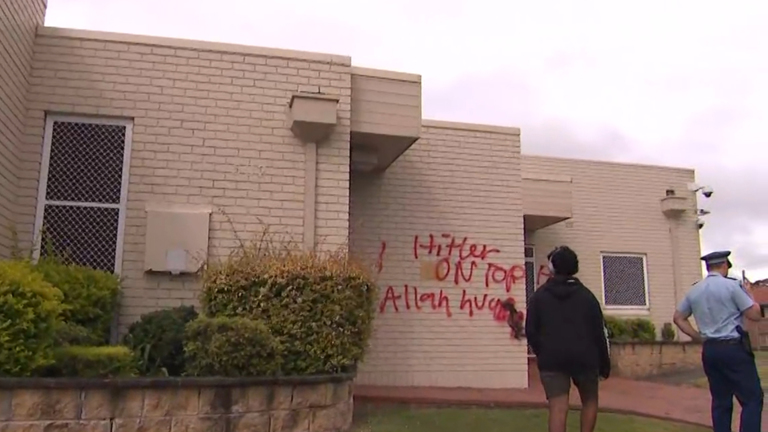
{"type": "Point", "coordinates": [762, 369]}
{"type": "Point", "coordinates": [497, 420]}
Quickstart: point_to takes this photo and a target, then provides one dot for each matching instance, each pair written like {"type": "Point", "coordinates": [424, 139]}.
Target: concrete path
{"type": "Point", "coordinates": [685, 404]}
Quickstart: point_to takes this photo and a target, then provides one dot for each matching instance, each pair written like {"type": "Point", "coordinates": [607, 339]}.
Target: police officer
{"type": "Point", "coordinates": [719, 305]}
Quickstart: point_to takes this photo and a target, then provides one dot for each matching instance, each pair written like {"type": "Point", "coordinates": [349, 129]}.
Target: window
{"type": "Point", "coordinates": [83, 191]}
{"type": "Point", "coordinates": [625, 281]}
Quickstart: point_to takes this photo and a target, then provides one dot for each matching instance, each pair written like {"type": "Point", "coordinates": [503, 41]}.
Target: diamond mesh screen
{"type": "Point", "coordinates": [530, 280]}
{"type": "Point", "coordinates": [624, 280]}
{"type": "Point", "coordinates": [81, 235]}
{"type": "Point", "coordinates": [86, 163]}
{"type": "Point", "coordinates": [530, 284]}
{"type": "Point", "coordinates": [81, 211]}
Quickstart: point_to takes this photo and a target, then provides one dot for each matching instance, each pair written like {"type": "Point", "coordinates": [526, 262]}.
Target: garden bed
{"type": "Point", "coordinates": [316, 403]}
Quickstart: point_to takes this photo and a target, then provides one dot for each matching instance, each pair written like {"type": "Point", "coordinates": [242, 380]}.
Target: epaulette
{"type": "Point", "coordinates": [695, 282]}
{"type": "Point", "coordinates": [728, 277]}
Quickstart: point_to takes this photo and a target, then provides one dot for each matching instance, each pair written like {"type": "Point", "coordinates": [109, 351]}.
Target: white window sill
{"type": "Point", "coordinates": [627, 312]}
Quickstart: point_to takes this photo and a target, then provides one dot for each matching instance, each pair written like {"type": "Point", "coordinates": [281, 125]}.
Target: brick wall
{"type": "Point", "coordinates": [210, 128]}
{"type": "Point", "coordinates": [616, 208]}
{"type": "Point", "coordinates": [18, 22]}
{"type": "Point", "coordinates": [463, 181]}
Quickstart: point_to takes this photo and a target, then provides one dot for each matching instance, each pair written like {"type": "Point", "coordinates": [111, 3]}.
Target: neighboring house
{"type": "Point", "coordinates": [142, 155]}
{"type": "Point", "coordinates": [761, 292]}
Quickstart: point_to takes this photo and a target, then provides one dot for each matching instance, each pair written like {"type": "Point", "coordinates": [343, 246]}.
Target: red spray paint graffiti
{"type": "Point", "coordinates": [459, 262]}
{"type": "Point", "coordinates": [380, 260]}
{"type": "Point", "coordinates": [411, 298]}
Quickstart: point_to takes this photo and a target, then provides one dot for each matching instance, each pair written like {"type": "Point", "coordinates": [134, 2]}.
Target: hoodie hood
{"type": "Point", "coordinates": [562, 287]}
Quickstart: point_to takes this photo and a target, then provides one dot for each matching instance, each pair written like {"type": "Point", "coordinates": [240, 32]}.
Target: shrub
{"type": "Point", "coordinates": [158, 340]}
{"type": "Point", "coordinates": [667, 332]}
{"type": "Point", "coordinates": [73, 334]}
{"type": "Point", "coordinates": [231, 347]}
{"type": "Point", "coordinates": [93, 362]}
{"type": "Point", "coordinates": [320, 307]}
{"type": "Point", "coordinates": [618, 329]}
{"type": "Point", "coordinates": [90, 296]}
{"type": "Point", "coordinates": [29, 311]}
{"type": "Point", "coordinates": [642, 329]}
{"type": "Point", "coordinates": [628, 330]}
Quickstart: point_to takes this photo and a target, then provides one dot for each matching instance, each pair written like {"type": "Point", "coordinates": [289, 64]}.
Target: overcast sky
{"type": "Point", "coordinates": [679, 83]}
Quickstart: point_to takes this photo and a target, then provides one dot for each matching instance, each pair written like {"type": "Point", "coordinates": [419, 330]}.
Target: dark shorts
{"type": "Point", "coordinates": [559, 384]}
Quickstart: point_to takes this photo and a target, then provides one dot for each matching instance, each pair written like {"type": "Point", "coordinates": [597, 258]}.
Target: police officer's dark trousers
{"type": "Point", "coordinates": [731, 371]}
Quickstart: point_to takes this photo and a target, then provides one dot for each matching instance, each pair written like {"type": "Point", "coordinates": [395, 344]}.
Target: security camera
{"type": "Point", "coordinates": [700, 223]}
{"type": "Point", "coordinates": [705, 190]}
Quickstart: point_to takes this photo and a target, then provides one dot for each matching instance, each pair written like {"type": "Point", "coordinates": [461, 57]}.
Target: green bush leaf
{"type": "Point", "coordinates": [158, 340]}
{"type": "Point", "coordinates": [231, 347]}
{"type": "Point", "coordinates": [319, 307]}
{"type": "Point", "coordinates": [29, 316]}
{"type": "Point", "coordinates": [93, 362]}
{"type": "Point", "coordinates": [90, 296]}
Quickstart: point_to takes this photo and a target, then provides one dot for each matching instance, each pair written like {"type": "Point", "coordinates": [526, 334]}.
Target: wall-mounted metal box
{"type": "Point", "coordinates": [176, 239]}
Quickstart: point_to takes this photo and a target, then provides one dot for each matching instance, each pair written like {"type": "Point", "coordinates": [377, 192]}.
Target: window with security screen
{"type": "Point", "coordinates": [625, 281]}
{"type": "Point", "coordinates": [82, 196]}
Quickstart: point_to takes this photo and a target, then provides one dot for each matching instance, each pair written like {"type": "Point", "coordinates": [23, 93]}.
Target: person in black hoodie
{"type": "Point", "coordinates": [566, 332]}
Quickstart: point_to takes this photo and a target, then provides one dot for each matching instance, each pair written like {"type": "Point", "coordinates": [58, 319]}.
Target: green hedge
{"type": "Point", "coordinates": [667, 332]}
{"type": "Point", "coordinates": [30, 308]}
{"type": "Point", "coordinates": [320, 307]}
{"type": "Point", "coordinates": [630, 330]}
{"type": "Point", "coordinates": [231, 347]}
{"type": "Point", "coordinates": [72, 334]}
{"type": "Point", "coordinates": [93, 362]}
{"type": "Point", "coordinates": [90, 296]}
{"type": "Point", "coordinates": [158, 340]}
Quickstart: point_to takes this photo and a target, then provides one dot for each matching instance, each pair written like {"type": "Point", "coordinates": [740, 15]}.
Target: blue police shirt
{"type": "Point", "coordinates": [717, 304]}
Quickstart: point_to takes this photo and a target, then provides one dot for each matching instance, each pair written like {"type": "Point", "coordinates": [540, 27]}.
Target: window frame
{"type": "Point", "coordinates": [42, 187]}
{"type": "Point", "coordinates": [647, 305]}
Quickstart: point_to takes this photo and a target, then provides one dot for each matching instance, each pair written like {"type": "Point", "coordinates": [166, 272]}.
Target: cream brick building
{"type": "Point", "coordinates": [139, 154]}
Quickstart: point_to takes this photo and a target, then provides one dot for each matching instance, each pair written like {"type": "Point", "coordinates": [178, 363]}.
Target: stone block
{"type": "Point", "coordinates": [171, 402]}
{"type": "Point", "coordinates": [223, 400]}
{"type": "Point", "coordinates": [23, 427]}
{"type": "Point", "coordinates": [340, 392]}
{"type": "Point", "coordinates": [280, 397]}
{"type": "Point", "coordinates": [129, 403]}
{"type": "Point", "coordinates": [201, 424]}
{"type": "Point", "coordinates": [45, 404]}
{"type": "Point", "coordinates": [260, 398]}
{"type": "Point", "coordinates": [142, 425]}
{"type": "Point", "coordinates": [289, 421]}
{"type": "Point", "coordinates": [78, 426]}
{"type": "Point", "coordinates": [254, 422]}
{"type": "Point", "coordinates": [311, 396]}
{"type": "Point", "coordinates": [114, 403]}
{"type": "Point", "coordinates": [6, 405]}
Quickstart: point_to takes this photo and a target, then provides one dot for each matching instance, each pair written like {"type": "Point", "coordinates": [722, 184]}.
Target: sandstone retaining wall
{"type": "Point", "coordinates": [643, 359]}
{"type": "Point", "coordinates": [316, 404]}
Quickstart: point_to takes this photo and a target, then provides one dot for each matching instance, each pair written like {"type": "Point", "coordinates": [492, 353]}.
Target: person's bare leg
{"type": "Point", "coordinates": [558, 413]}
{"type": "Point", "coordinates": [588, 414]}
{"type": "Point", "coordinates": [588, 386]}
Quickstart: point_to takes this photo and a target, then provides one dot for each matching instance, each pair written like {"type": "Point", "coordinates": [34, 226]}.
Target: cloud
{"type": "Point", "coordinates": [672, 83]}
